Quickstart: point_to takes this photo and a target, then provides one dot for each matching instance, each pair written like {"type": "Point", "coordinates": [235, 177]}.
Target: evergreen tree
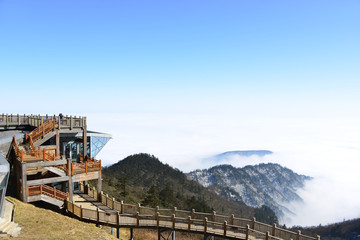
{"type": "Point", "coordinates": [151, 199]}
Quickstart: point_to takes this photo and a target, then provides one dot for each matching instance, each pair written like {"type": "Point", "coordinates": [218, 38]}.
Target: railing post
{"type": "Point", "coordinates": [81, 212]}
{"type": "Point", "coordinates": [174, 210]}
{"type": "Point", "coordinates": [299, 235]}
{"type": "Point", "coordinates": [205, 224]}
{"type": "Point", "coordinates": [71, 123]}
{"type": "Point", "coordinates": [267, 236]}
{"type": "Point", "coordinates": [59, 120]}
{"type": "Point", "coordinates": [274, 230]}
{"type": "Point", "coordinates": [247, 231]}
{"type": "Point", "coordinates": [173, 221]}
{"type": "Point", "coordinates": [139, 208]}
{"type": "Point", "coordinates": [317, 237]}
{"type": "Point", "coordinates": [122, 207]}
{"type": "Point", "coordinates": [232, 219]}
{"type": "Point", "coordinates": [157, 209]}
{"type": "Point", "coordinates": [137, 219]}
{"type": "Point", "coordinates": [157, 219]}
{"type": "Point", "coordinates": [213, 216]}
{"type": "Point", "coordinates": [189, 223]}
{"type": "Point", "coordinates": [225, 228]}
{"type": "Point", "coordinates": [193, 213]}
{"type": "Point", "coordinates": [113, 203]}
{"type": "Point", "coordinates": [97, 216]}
{"type": "Point", "coordinates": [253, 223]}
{"type": "Point", "coordinates": [18, 117]}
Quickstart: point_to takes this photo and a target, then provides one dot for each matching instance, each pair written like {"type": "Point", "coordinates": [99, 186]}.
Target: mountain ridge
{"type": "Point", "coordinates": [145, 172]}
{"type": "Point", "coordinates": [256, 185]}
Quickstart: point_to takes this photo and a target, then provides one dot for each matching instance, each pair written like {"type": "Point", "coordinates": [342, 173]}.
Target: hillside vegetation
{"type": "Point", "coordinates": [143, 178]}
{"type": "Point", "coordinates": [38, 223]}
{"type": "Point", "coordinates": [349, 229]}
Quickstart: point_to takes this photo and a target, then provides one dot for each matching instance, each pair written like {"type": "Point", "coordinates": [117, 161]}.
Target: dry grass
{"type": "Point", "coordinates": [38, 223]}
{"type": "Point", "coordinates": [149, 234]}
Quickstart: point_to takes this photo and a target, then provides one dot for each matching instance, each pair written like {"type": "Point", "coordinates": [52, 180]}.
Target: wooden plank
{"type": "Point", "coordinates": [85, 176]}
{"type": "Point", "coordinates": [45, 164]}
{"type": "Point", "coordinates": [47, 180]}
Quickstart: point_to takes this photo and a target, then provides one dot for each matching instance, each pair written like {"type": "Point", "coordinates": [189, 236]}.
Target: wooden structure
{"type": "Point", "coordinates": [40, 170]}
{"type": "Point", "coordinates": [120, 215]}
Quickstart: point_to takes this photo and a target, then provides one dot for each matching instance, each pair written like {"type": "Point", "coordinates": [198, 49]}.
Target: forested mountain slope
{"type": "Point", "coordinates": [143, 178]}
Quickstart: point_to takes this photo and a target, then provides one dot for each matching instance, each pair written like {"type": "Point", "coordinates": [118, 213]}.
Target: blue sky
{"type": "Point", "coordinates": [173, 53]}
{"type": "Point", "coordinates": [186, 79]}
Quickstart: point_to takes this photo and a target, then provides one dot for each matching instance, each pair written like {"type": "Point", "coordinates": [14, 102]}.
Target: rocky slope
{"type": "Point", "coordinates": [264, 184]}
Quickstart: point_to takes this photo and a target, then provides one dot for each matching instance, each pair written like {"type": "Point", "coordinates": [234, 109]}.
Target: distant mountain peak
{"type": "Point", "coordinates": [243, 153]}
{"type": "Point", "coordinates": [267, 184]}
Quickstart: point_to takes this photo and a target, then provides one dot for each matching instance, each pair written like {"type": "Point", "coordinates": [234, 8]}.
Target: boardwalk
{"type": "Point", "coordinates": [117, 214]}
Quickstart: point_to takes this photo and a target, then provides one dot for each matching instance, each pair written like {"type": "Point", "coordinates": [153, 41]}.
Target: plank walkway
{"type": "Point", "coordinates": [114, 214]}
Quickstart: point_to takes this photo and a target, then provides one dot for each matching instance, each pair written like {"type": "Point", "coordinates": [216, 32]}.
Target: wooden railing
{"type": "Point", "coordinates": [212, 223]}
{"type": "Point", "coordinates": [70, 122]}
{"type": "Point", "coordinates": [85, 167]}
{"type": "Point", "coordinates": [42, 130]}
{"type": "Point", "coordinates": [46, 190]}
{"type": "Point", "coordinates": [128, 215]}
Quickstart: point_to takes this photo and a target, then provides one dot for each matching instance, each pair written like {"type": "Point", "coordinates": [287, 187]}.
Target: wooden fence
{"type": "Point", "coordinates": [15, 120]}
{"type": "Point", "coordinates": [135, 215]}
{"type": "Point", "coordinates": [47, 190]}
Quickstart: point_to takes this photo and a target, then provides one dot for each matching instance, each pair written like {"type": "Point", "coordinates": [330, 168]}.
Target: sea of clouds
{"type": "Point", "coordinates": [325, 149]}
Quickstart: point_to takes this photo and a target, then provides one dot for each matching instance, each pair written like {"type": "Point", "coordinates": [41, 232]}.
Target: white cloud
{"type": "Point", "coordinates": [326, 149]}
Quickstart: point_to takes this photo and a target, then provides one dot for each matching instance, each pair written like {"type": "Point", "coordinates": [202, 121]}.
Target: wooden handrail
{"type": "Point", "coordinates": [47, 190]}
{"type": "Point", "coordinates": [196, 219]}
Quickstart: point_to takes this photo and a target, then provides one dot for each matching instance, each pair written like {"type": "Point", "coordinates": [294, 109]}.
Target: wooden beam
{"type": "Point", "coordinates": [24, 183]}
{"type": "Point", "coordinates": [85, 176]}
{"type": "Point", "coordinates": [45, 164]}
{"type": "Point", "coordinates": [47, 180]}
{"type": "Point", "coordinates": [57, 140]}
{"type": "Point", "coordinates": [85, 141]}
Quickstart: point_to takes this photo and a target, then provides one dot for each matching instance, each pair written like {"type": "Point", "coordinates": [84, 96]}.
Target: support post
{"type": "Point", "coordinates": [189, 223]}
{"type": "Point", "coordinates": [274, 230]}
{"type": "Point", "coordinates": [205, 224]}
{"type": "Point", "coordinates": [267, 236]}
{"type": "Point", "coordinates": [225, 228]}
{"type": "Point", "coordinates": [137, 219]}
{"type": "Point", "coordinates": [70, 180]}
{"type": "Point", "coordinates": [299, 235]}
{"type": "Point", "coordinates": [253, 223]}
{"type": "Point", "coordinates": [173, 221]}
{"type": "Point", "coordinates": [99, 184]}
{"type": "Point", "coordinates": [247, 231]}
{"type": "Point", "coordinates": [131, 234]}
{"type": "Point", "coordinates": [24, 182]}
{"type": "Point", "coordinates": [57, 140]}
{"type": "Point", "coordinates": [85, 141]}
{"type": "Point", "coordinates": [158, 219]}
{"type": "Point", "coordinates": [122, 207]}
{"type": "Point", "coordinates": [232, 219]}
{"type": "Point", "coordinates": [118, 232]}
